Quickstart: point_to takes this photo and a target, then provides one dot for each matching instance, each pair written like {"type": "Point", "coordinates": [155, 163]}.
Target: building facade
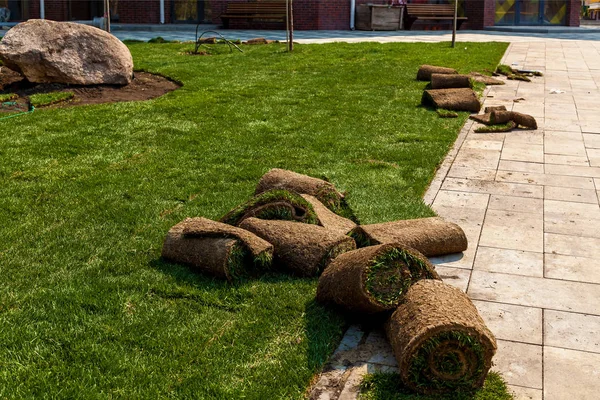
{"type": "Point", "coordinates": [308, 14]}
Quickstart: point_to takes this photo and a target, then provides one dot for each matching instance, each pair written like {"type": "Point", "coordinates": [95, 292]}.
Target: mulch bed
{"type": "Point", "coordinates": [145, 86]}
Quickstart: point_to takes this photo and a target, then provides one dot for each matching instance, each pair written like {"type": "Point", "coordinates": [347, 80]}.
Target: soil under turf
{"type": "Point", "coordinates": [144, 86]}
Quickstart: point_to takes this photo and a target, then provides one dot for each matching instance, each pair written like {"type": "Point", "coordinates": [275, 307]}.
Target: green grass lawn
{"type": "Point", "coordinates": [88, 309]}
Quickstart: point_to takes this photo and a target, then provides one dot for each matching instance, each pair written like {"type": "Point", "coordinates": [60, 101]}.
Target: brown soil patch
{"type": "Point", "coordinates": [145, 86]}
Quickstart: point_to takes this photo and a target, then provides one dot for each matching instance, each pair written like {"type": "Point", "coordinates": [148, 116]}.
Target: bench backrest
{"type": "Point", "coordinates": [270, 7]}
{"type": "Point", "coordinates": [430, 10]}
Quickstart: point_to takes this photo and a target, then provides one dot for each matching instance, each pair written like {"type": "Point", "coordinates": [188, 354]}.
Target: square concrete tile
{"type": "Point", "coordinates": [591, 141]}
{"type": "Point", "coordinates": [561, 124]}
{"type": "Point", "coordinates": [520, 166]}
{"type": "Point", "coordinates": [519, 204]}
{"type": "Point", "coordinates": [570, 194]}
{"type": "Point", "coordinates": [519, 363]}
{"type": "Point", "coordinates": [513, 230]}
{"type": "Point", "coordinates": [523, 393]}
{"type": "Point", "coordinates": [572, 245]}
{"type": "Point", "coordinates": [544, 179]}
{"type": "Point", "coordinates": [566, 160]}
{"type": "Point", "coordinates": [458, 171]}
{"type": "Point", "coordinates": [579, 227]}
{"type": "Point", "coordinates": [461, 200]}
{"type": "Point", "coordinates": [520, 137]}
{"type": "Point", "coordinates": [572, 331]}
{"type": "Point", "coordinates": [457, 277]}
{"type": "Point", "coordinates": [594, 157]}
{"type": "Point", "coordinates": [482, 145]}
{"type": "Point", "coordinates": [573, 268]}
{"type": "Point", "coordinates": [477, 158]}
{"type": "Point", "coordinates": [573, 170]}
{"type": "Point", "coordinates": [518, 152]}
{"type": "Point", "coordinates": [514, 323]}
{"type": "Point", "coordinates": [516, 262]}
{"type": "Point", "coordinates": [571, 374]}
{"type": "Point", "coordinates": [535, 292]}
{"type": "Point", "coordinates": [572, 209]}
{"type": "Point", "coordinates": [503, 188]}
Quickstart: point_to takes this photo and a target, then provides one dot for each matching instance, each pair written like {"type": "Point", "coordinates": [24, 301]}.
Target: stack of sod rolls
{"type": "Point", "coordinates": [448, 90]}
{"type": "Point", "coordinates": [298, 224]}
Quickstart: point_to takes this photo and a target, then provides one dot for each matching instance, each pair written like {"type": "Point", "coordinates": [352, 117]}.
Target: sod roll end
{"type": "Point", "coordinates": [372, 279]}
{"type": "Point", "coordinates": [439, 340]}
{"type": "Point", "coordinates": [221, 257]}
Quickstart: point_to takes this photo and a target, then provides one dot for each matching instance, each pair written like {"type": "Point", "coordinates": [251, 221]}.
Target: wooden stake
{"type": "Point", "coordinates": [454, 23]}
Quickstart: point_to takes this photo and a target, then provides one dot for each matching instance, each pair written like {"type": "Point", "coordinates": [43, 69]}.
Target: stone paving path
{"type": "Point", "coordinates": [529, 204]}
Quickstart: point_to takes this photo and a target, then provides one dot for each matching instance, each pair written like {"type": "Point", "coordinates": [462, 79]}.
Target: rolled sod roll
{"type": "Point", "coordinates": [327, 218]}
{"type": "Point", "coordinates": [300, 248]}
{"type": "Point", "coordinates": [217, 249]}
{"type": "Point", "coordinates": [324, 191]}
{"type": "Point", "coordinates": [429, 236]}
{"type": "Point", "coordinates": [373, 279]}
{"type": "Point", "coordinates": [425, 71]}
{"type": "Point", "coordinates": [440, 342]}
{"type": "Point", "coordinates": [464, 99]}
{"type": "Point", "coordinates": [274, 204]}
{"type": "Point", "coordinates": [448, 81]}
{"type": "Point", "coordinates": [500, 117]}
{"type": "Point", "coordinates": [524, 120]}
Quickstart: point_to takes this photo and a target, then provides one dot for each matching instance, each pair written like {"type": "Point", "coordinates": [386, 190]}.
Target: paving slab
{"type": "Point", "coordinates": [512, 323]}
{"type": "Point", "coordinates": [572, 331]}
{"type": "Point", "coordinates": [535, 292]}
{"type": "Point", "coordinates": [570, 194]}
{"type": "Point", "coordinates": [506, 261]}
{"type": "Point", "coordinates": [513, 230]}
{"type": "Point", "coordinates": [572, 268]}
{"type": "Point", "coordinates": [571, 374]}
{"type": "Point", "coordinates": [519, 363]}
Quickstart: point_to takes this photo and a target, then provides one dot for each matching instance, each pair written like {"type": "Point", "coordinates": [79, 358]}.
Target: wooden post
{"type": "Point", "coordinates": [454, 23]}
{"type": "Point", "coordinates": [107, 15]}
{"type": "Point", "coordinates": [291, 19]}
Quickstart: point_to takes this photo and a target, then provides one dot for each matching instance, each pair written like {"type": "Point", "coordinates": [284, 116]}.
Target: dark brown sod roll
{"type": "Point", "coordinates": [500, 117]}
{"type": "Point", "coordinates": [446, 81]}
{"type": "Point", "coordinates": [372, 279]}
{"type": "Point", "coordinates": [464, 99]}
{"type": "Point", "coordinates": [223, 257]}
{"type": "Point", "coordinates": [440, 342]}
{"type": "Point", "coordinates": [425, 71]}
{"type": "Point", "coordinates": [524, 120]}
{"type": "Point", "coordinates": [327, 218]}
{"type": "Point", "coordinates": [324, 191]}
{"type": "Point", "coordinates": [273, 204]}
{"type": "Point", "coordinates": [300, 248]}
{"type": "Point", "coordinates": [429, 236]}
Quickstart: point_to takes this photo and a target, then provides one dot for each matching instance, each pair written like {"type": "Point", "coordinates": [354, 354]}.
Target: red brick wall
{"type": "Point", "coordinates": [308, 14]}
{"type": "Point", "coordinates": [573, 12]}
{"type": "Point", "coordinates": [481, 13]}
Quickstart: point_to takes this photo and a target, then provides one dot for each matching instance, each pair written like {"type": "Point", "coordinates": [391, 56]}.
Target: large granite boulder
{"type": "Point", "coordinates": [65, 52]}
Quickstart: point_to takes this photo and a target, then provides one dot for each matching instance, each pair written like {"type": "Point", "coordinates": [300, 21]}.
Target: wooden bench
{"type": "Point", "coordinates": [261, 10]}
{"type": "Point", "coordinates": [435, 12]}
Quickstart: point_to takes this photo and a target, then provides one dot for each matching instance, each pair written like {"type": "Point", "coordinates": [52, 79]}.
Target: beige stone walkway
{"type": "Point", "coordinates": [529, 203]}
